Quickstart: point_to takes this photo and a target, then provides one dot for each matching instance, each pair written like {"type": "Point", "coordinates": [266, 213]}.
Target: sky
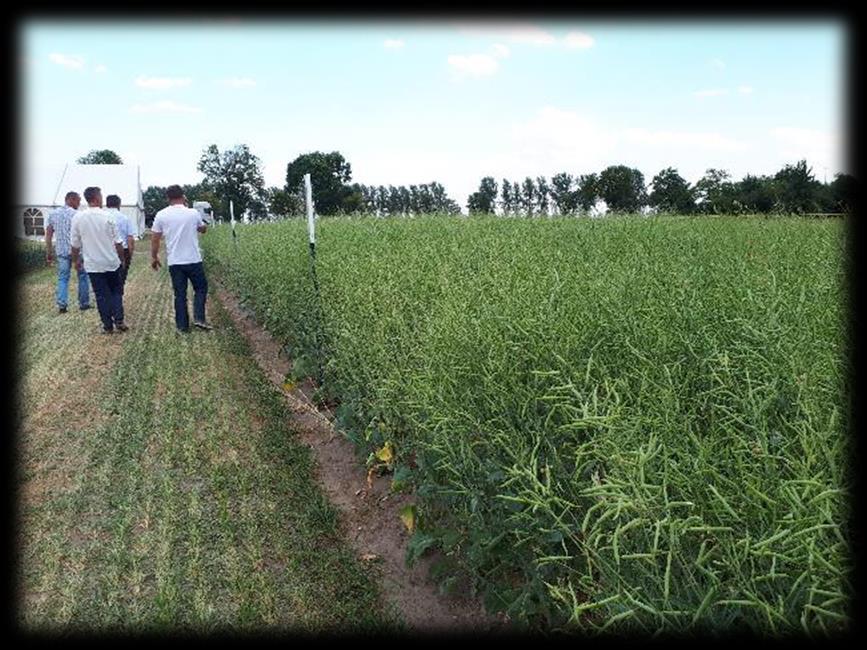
{"type": "Point", "coordinates": [411, 102]}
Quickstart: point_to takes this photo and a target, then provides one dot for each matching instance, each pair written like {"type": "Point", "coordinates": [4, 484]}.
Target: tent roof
{"type": "Point", "coordinates": [49, 185]}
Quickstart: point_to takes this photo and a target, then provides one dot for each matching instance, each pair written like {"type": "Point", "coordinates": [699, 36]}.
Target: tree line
{"type": "Point", "coordinates": [235, 175]}
{"type": "Point", "coordinates": [792, 190]}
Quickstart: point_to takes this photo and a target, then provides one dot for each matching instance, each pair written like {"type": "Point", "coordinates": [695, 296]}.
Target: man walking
{"type": "Point", "coordinates": [179, 226]}
{"type": "Point", "coordinates": [95, 236]}
{"type": "Point", "coordinates": [127, 233]}
{"type": "Point", "coordinates": [59, 225]}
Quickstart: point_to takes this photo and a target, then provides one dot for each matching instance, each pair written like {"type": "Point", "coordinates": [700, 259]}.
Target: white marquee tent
{"type": "Point", "coordinates": [46, 190]}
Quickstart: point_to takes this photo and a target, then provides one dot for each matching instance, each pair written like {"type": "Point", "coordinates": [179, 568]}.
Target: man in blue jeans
{"type": "Point", "coordinates": [180, 225]}
{"type": "Point", "coordinates": [94, 235]}
{"type": "Point", "coordinates": [59, 225]}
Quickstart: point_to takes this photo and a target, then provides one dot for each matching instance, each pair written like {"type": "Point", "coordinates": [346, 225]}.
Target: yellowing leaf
{"type": "Point", "coordinates": [407, 515]}
{"type": "Point", "coordinates": [386, 454]}
{"type": "Point", "coordinates": [288, 384]}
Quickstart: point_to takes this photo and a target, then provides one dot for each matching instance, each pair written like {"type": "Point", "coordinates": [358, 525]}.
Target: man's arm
{"type": "Point", "coordinates": [202, 227]}
{"type": "Point", "coordinates": [75, 243]}
{"type": "Point", "coordinates": [130, 241]}
{"type": "Point", "coordinates": [155, 249]}
{"type": "Point", "coordinates": [49, 250]}
{"type": "Point", "coordinates": [119, 248]}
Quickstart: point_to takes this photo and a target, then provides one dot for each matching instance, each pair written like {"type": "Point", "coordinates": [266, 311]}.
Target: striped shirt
{"type": "Point", "coordinates": [61, 221]}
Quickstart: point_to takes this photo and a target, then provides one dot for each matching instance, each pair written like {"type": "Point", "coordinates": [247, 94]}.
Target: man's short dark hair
{"type": "Point", "coordinates": [71, 195]}
{"type": "Point", "coordinates": [174, 192]}
{"type": "Point", "coordinates": [112, 201]}
{"type": "Point", "coordinates": [90, 193]}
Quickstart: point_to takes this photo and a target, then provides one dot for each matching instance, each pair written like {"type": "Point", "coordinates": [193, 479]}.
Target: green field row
{"type": "Point", "coordinates": [629, 424]}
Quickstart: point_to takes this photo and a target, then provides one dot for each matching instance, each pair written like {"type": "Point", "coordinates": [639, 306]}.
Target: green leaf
{"type": "Point", "coordinates": [417, 545]}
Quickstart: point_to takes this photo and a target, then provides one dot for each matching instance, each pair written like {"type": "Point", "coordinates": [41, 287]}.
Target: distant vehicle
{"type": "Point", "coordinates": [205, 211]}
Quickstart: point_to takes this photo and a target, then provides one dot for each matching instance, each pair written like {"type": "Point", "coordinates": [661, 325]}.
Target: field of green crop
{"type": "Point", "coordinates": [622, 424]}
{"type": "Point", "coordinates": [30, 254]}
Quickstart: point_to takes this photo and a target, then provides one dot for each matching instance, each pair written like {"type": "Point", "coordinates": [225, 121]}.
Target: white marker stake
{"type": "Point", "coordinates": [311, 228]}
{"type": "Point", "coordinates": [232, 218]}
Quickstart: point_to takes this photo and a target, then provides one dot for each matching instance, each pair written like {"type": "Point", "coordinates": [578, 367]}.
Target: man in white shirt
{"type": "Point", "coordinates": [127, 232]}
{"type": "Point", "coordinates": [180, 225]}
{"type": "Point", "coordinates": [95, 236]}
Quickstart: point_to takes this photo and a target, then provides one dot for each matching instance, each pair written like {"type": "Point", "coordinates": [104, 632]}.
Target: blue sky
{"type": "Point", "coordinates": [451, 101]}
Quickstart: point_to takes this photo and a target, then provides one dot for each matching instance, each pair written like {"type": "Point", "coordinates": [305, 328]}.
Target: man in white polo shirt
{"type": "Point", "coordinates": [180, 225]}
{"type": "Point", "coordinates": [95, 236]}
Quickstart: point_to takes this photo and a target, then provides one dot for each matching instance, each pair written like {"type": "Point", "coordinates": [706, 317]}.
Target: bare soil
{"type": "Point", "coordinates": [370, 512]}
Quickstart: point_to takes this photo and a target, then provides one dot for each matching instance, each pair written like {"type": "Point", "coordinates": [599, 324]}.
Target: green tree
{"type": "Point", "coordinates": [100, 157]}
{"type": "Point", "coordinates": [844, 190]}
{"type": "Point", "coordinates": [754, 194]}
{"type": "Point", "coordinates": [622, 189]}
{"type": "Point", "coordinates": [715, 193]}
{"type": "Point", "coordinates": [405, 200]}
{"type": "Point", "coordinates": [154, 199]}
{"type": "Point", "coordinates": [543, 191]}
{"type": "Point", "coordinates": [506, 194]}
{"type": "Point", "coordinates": [797, 188]}
{"type": "Point", "coordinates": [235, 175]}
{"type": "Point", "coordinates": [483, 200]}
{"type": "Point", "coordinates": [528, 196]}
{"type": "Point", "coordinates": [352, 200]}
{"type": "Point", "coordinates": [562, 194]}
{"type": "Point", "coordinates": [381, 201]}
{"type": "Point", "coordinates": [329, 174]}
{"type": "Point", "coordinates": [284, 204]}
{"type": "Point", "coordinates": [671, 193]}
{"type": "Point", "coordinates": [586, 191]}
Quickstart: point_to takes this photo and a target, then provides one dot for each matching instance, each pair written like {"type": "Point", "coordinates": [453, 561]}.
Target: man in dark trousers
{"type": "Point", "coordinates": [94, 235]}
{"type": "Point", "coordinates": [127, 233]}
{"type": "Point", "coordinates": [180, 225]}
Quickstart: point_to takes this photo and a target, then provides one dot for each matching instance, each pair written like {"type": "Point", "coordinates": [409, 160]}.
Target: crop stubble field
{"type": "Point", "coordinates": [620, 424]}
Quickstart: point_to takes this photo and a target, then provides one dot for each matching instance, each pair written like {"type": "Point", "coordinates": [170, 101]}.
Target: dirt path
{"type": "Point", "coordinates": [370, 512]}
{"type": "Point", "coordinates": [161, 486]}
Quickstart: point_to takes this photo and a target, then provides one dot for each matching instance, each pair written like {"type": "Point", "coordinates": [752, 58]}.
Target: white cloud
{"type": "Point", "coordinates": [719, 64]}
{"type": "Point", "coordinates": [820, 148]}
{"type": "Point", "coordinates": [530, 35]}
{"type": "Point", "coordinates": [691, 139]}
{"type": "Point", "coordinates": [162, 83]}
{"type": "Point", "coordinates": [559, 139]}
{"type": "Point", "coordinates": [164, 106]}
{"type": "Point", "coordinates": [712, 92]}
{"type": "Point", "coordinates": [473, 65]}
{"type": "Point", "coordinates": [238, 82]}
{"type": "Point", "coordinates": [500, 50]}
{"type": "Point", "coordinates": [554, 140]}
{"type": "Point", "coordinates": [100, 68]}
{"type": "Point", "coordinates": [745, 90]}
{"type": "Point", "coordinates": [525, 34]}
{"type": "Point", "coordinates": [394, 43]}
{"type": "Point", "coordinates": [67, 61]}
{"type": "Point", "coordinates": [578, 40]}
